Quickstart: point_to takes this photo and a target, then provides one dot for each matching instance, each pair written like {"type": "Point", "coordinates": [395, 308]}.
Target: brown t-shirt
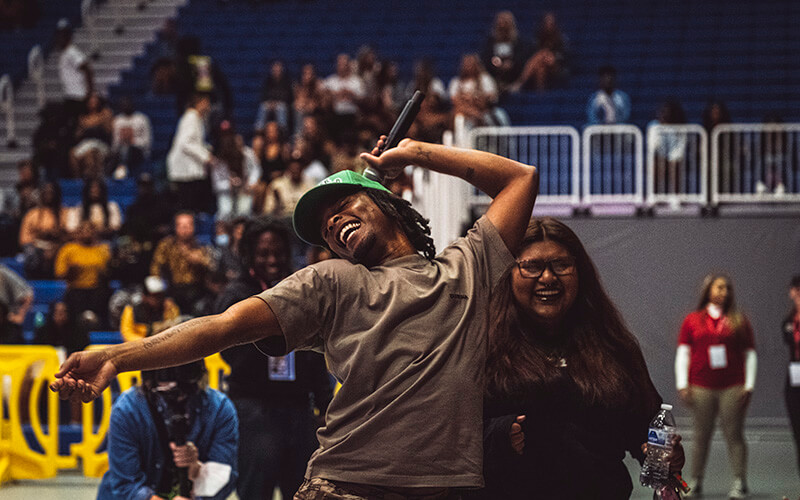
{"type": "Point", "coordinates": [407, 340]}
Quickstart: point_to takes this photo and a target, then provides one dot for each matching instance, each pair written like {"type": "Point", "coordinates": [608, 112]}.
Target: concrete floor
{"type": "Point", "coordinates": [772, 468]}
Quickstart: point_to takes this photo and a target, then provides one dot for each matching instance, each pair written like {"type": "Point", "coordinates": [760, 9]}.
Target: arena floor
{"type": "Point", "coordinates": [772, 467]}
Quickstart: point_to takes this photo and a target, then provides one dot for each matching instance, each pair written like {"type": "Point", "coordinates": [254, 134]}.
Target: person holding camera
{"type": "Point", "coordinates": [172, 438]}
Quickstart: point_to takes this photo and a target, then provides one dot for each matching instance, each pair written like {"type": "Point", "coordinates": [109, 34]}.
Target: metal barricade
{"type": "Point", "coordinates": [36, 74]}
{"type": "Point", "coordinates": [553, 150]}
{"type": "Point", "coordinates": [677, 164]}
{"type": "Point", "coordinates": [755, 163]}
{"type": "Point", "coordinates": [7, 107]}
{"type": "Point", "coordinates": [612, 165]}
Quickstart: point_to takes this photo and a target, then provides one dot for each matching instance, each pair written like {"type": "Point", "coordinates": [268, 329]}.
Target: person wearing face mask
{"type": "Point", "coordinates": [171, 437]}
{"type": "Point", "coordinates": [568, 391]}
{"type": "Point", "coordinates": [715, 372]}
{"type": "Point", "coordinates": [276, 397]}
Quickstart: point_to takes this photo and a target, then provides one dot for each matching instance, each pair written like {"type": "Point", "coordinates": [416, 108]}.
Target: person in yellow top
{"type": "Point", "coordinates": [156, 312]}
{"type": "Point", "coordinates": [84, 264]}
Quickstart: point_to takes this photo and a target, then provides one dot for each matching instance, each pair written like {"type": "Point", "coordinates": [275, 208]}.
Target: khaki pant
{"type": "Point", "coordinates": [706, 404]}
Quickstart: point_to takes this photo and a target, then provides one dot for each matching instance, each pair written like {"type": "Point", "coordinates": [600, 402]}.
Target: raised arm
{"type": "Point", "coordinates": [84, 375]}
{"type": "Point", "coordinates": [512, 185]}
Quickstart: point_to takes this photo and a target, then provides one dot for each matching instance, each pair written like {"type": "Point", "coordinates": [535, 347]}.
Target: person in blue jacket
{"type": "Point", "coordinates": [172, 404]}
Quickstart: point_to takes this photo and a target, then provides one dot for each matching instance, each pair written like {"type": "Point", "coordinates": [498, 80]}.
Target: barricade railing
{"type": "Point", "coordinates": [36, 74]}
{"type": "Point", "coordinates": [7, 107]}
{"type": "Point", "coordinates": [612, 165]}
{"type": "Point", "coordinates": [553, 150]}
{"type": "Point", "coordinates": [25, 373]}
{"type": "Point", "coordinates": [754, 163]}
{"type": "Point", "coordinates": [677, 164]}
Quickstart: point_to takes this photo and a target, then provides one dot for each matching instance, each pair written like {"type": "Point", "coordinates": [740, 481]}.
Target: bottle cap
{"type": "Point", "coordinates": [667, 407]}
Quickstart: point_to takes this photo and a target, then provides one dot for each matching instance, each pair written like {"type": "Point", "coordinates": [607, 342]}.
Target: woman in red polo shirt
{"type": "Point", "coordinates": [715, 371]}
{"type": "Point", "coordinates": [791, 334]}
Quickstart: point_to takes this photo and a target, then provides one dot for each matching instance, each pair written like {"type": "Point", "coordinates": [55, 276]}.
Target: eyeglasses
{"type": "Point", "coordinates": [535, 268]}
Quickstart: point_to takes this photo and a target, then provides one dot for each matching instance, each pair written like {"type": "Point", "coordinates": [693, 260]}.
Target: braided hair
{"type": "Point", "coordinates": [413, 224]}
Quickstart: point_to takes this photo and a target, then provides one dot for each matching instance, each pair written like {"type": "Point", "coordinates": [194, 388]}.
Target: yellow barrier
{"type": "Point", "coordinates": [95, 463]}
{"type": "Point", "coordinates": [25, 372]}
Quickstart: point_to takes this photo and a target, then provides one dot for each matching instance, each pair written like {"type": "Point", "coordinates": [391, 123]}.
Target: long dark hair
{"type": "Point", "coordinates": [729, 309]}
{"type": "Point", "coordinates": [86, 203]}
{"type": "Point", "coordinates": [603, 357]}
{"type": "Point", "coordinates": [253, 229]}
{"type": "Point", "coordinates": [55, 204]}
{"type": "Point", "coordinates": [413, 224]}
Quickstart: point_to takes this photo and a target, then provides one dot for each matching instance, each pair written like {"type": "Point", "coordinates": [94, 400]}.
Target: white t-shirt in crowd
{"type": "Point", "coordinates": [73, 80]}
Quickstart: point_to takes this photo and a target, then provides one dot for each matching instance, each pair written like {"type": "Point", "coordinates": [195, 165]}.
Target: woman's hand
{"type": "Point", "coordinates": [677, 457]}
{"type": "Point", "coordinates": [516, 435]}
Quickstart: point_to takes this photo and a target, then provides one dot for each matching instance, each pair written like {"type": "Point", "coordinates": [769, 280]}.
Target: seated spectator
{"type": "Point", "coordinates": [347, 90]}
{"type": "Point", "coordinates": [669, 147]}
{"type": "Point", "coordinates": [310, 97]}
{"type": "Point", "coordinates": [147, 220]}
{"type": "Point", "coordinates": [313, 141]}
{"type": "Point", "coordinates": [182, 262]}
{"type": "Point", "coordinates": [93, 138]}
{"type": "Point", "coordinates": [171, 405]}
{"type": "Point", "coordinates": [284, 192]}
{"type": "Point", "coordinates": [52, 140]}
{"type": "Point", "coordinates": [608, 105]}
{"type": "Point", "coordinates": [84, 264]}
{"type": "Point", "coordinates": [137, 122]}
{"type": "Point", "coordinates": [276, 98]}
{"type": "Point", "coordinates": [97, 209]}
{"type": "Point", "coordinates": [425, 80]}
{"type": "Point", "coordinates": [125, 158]}
{"type": "Point", "coordinates": [235, 175]}
{"type": "Point", "coordinates": [162, 72]}
{"type": "Point", "coordinates": [474, 95]}
{"type": "Point", "coordinates": [505, 53]}
{"type": "Point", "coordinates": [227, 248]}
{"type": "Point", "coordinates": [41, 232]}
{"type": "Point", "coordinates": [16, 295]}
{"type": "Point", "coordinates": [154, 313]}
{"type": "Point", "coordinates": [272, 150]}
{"type": "Point", "coordinates": [61, 329]}
{"type": "Point", "coordinates": [547, 67]}
{"type": "Point", "coordinates": [10, 332]}
{"type": "Point", "coordinates": [16, 201]}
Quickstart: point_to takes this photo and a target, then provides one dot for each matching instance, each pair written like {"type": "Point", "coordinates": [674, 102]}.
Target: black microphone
{"type": "Point", "coordinates": [398, 132]}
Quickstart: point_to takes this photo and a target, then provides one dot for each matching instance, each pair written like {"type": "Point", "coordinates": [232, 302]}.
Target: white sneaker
{"type": "Point", "coordinates": [738, 490]}
{"type": "Point", "coordinates": [761, 188]}
{"type": "Point", "coordinates": [780, 189]}
{"type": "Point", "coordinates": [695, 489]}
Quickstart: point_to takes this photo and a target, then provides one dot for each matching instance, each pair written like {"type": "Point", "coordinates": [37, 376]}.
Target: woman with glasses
{"type": "Point", "coordinates": [715, 372]}
{"type": "Point", "coordinates": [568, 390]}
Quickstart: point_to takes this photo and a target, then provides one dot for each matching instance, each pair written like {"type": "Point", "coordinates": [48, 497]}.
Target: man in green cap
{"type": "Point", "coordinates": [404, 331]}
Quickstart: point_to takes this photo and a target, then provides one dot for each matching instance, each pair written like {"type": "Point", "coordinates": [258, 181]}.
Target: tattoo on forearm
{"type": "Point", "coordinates": [422, 154]}
{"type": "Point", "coordinates": [469, 173]}
{"type": "Point", "coordinates": [158, 339]}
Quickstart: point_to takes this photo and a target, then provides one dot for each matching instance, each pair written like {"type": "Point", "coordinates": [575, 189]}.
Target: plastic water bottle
{"type": "Point", "coordinates": [655, 471]}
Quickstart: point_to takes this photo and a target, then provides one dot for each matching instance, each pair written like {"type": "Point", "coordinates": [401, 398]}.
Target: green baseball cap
{"type": "Point", "coordinates": [307, 217]}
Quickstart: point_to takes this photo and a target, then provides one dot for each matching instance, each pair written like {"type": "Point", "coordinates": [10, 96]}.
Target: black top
{"type": "Point", "coordinates": [250, 376]}
{"type": "Point", "coordinates": [573, 449]}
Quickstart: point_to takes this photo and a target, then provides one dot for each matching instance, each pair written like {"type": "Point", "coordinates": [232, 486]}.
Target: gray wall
{"type": "Point", "coordinates": [653, 270]}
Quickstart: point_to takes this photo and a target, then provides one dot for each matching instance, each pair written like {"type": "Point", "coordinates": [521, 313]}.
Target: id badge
{"type": "Point", "coordinates": [281, 368]}
{"type": "Point", "coordinates": [794, 373]}
{"type": "Point", "coordinates": [717, 357]}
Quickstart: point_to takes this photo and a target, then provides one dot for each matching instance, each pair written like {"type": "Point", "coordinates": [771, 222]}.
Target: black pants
{"type": "Point", "coordinates": [276, 442]}
{"type": "Point", "coordinates": [792, 395]}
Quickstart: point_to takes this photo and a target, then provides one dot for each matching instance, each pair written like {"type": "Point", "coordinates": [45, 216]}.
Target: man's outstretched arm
{"type": "Point", "coordinates": [84, 375]}
{"type": "Point", "coordinates": [512, 185]}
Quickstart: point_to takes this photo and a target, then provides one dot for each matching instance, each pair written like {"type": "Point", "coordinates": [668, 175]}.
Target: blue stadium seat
{"type": "Point", "coordinates": [48, 291]}
{"type": "Point", "coordinates": [105, 337]}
